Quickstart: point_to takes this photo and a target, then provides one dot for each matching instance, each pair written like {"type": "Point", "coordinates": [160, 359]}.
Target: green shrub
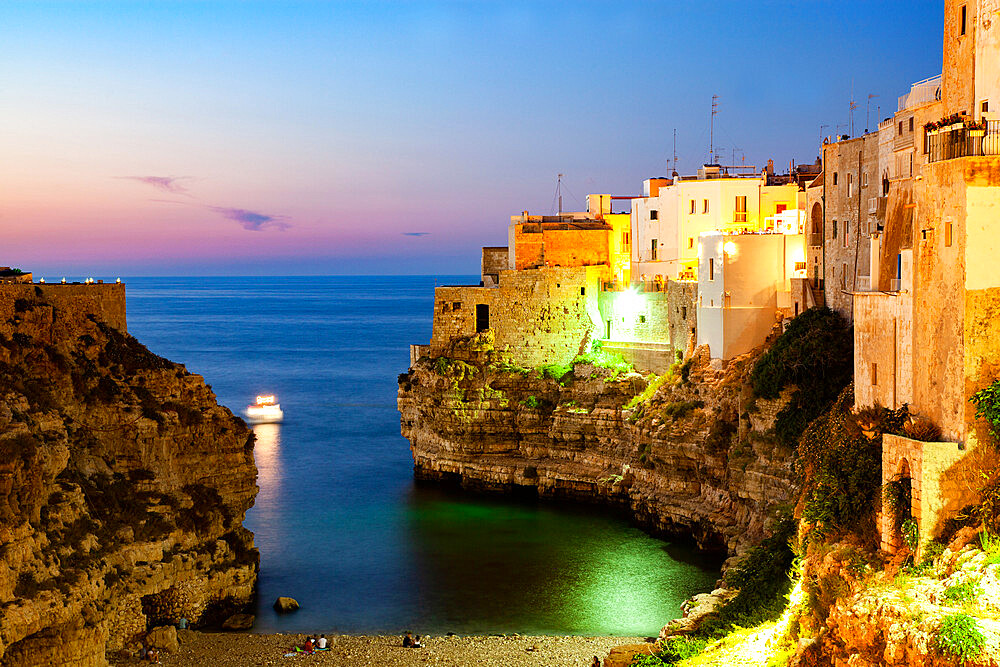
{"type": "Point", "coordinates": [555, 371]}
{"type": "Point", "coordinates": [911, 534]}
{"type": "Point", "coordinates": [966, 591]}
{"type": "Point", "coordinates": [612, 361]}
{"type": "Point", "coordinates": [815, 354]}
{"type": "Point", "coordinates": [531, 402]}
{"type": "Point", "coordinates": [959, 636]}
{"type": "Point", "coordinates": [762, 577]}
{"type": "Point", "coordinates": [841, 470]}
{"type": "Point", "coordinates": [987, 403]}
{"type": "Point", "coordinates": [655, 382]}
{"type": "Point", "coordinates": [671, 651]}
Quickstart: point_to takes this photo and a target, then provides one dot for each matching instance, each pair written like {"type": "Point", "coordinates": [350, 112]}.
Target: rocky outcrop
{"type": "Point", "coordinates": [697, 458]}
{"type": "Point", "coordinates": [123, 487]}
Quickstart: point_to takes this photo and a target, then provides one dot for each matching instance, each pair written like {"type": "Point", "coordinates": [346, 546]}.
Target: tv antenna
{"type": "Point", "coordinates": [867, 104]}
{"type": "Point", "coordinates": [711, 130]}
{"type": "Point", "coordinates": [852, 106]}
{"type": "Point", "coordinates": [675, 151]}
{"type": "Point", "coordinates": [559, 191]}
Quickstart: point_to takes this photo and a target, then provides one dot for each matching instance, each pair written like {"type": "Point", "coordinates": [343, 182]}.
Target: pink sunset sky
{"type": "Point", "coordinates": [231, 138]}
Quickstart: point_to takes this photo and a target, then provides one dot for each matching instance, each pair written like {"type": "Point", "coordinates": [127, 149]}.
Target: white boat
{"type": "Point", "coordinates": [264, 411]}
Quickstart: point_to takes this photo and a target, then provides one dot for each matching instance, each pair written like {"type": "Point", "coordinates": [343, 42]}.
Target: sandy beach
{"type": "Point", "coordinates": [242, 650]}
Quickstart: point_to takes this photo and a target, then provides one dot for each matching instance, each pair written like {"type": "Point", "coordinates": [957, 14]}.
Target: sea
{"type": "Point", "coordinates": [339, 521]}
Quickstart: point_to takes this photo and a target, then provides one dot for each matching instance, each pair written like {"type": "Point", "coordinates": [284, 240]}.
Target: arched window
{"type": "Point", "coordinates": [817, 224]}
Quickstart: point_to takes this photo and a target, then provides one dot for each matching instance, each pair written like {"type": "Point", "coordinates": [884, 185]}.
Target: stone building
{"type": "Point", "coordinates": [928, 335]}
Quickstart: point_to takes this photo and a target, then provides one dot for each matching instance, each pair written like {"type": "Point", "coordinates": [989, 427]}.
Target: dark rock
{"type": "Point", "coordinates": [285, 605]}
{"type": "Point", "coordinates": [239, 622]}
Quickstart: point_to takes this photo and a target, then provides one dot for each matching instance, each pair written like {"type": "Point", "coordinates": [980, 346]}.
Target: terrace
{"type": "Point", "coordinates": [963, 140]}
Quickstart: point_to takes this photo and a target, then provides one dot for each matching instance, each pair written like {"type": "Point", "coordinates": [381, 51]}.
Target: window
{"type": "Point", "coordinates": [864, 180]}
{"type": "Point", "coordinates": [900, 133]}
{"type": "Point", "coordinates": [961, 20]}
{"type": "Point", "coordinates": [583, 291]}
{"type": "Point", "coordinates": [780, 208]}
{"type": "Point", "coordinates": [911, 123]}
{"type": "Point", "coordinates": [652, 250]}
{"type": "Point", "coordinates": [850, 184]}
{"type": "Point", "coordinates": [741, 209]}
{"type": "Point", "coordinates": [711, 268]}
{"type": "Point", "coordinates": [690, 242]}
{"type": "Point", "coordinates": [626, 239]}
{"type": "Point", "coordinates": [684, 312]}
{"type": "Point", "coordinates": [654, 214]}
{"type": "Point", "coordinates": [985, 108]}
{"type": "Point", "coordinates": [482, 317]}
{"type": "Point", "coordinates": [457, 305]}
{"type": "Point", "coordinates": [874, 374]}
{"type": "Point", "coordinates": [704, 206]}
{"type": "Point", "coordinates": [847, 233]}
{"type": "Point", "coordinates": [947, 235]}
{"type": "Point", "coordinates": [691, 207]}
{"type": "Point", "coordinates": [834, 178]}
{"type": "Point", "coordinates": [843, 278]}
{"type": "Point", "coordinates": [834, 234]}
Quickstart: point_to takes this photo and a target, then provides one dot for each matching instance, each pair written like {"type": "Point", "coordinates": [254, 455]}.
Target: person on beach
{"type": "Point", "coordinates": [321, 642]}
{"type": "Point", "coordinates": [407, 641]}
{"type": "Point", "coordinates": [308, 648]}
{"type": "Point", "coordinates": [416, 643]}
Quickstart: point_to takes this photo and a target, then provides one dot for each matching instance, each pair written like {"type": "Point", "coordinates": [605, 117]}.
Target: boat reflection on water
{"type": "Point", "coordinates": [267, 454]}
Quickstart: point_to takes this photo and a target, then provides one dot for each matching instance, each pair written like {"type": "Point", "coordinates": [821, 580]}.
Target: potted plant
{"type": "Point", "coordinates": [976, 128]}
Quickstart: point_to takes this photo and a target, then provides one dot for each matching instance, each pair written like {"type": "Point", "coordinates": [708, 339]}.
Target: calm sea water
{"type": "Point", "coordinates": [339, 522]}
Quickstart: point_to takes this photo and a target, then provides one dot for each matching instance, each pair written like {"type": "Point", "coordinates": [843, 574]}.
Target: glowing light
{"type": "Point", "coordinates": [729, 247]}
{"type": "Point", "coordinates": [265, 400]}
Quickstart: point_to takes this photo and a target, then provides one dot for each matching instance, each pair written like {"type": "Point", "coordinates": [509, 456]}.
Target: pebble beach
{"type": "Point", "coordinates": [242, 650]}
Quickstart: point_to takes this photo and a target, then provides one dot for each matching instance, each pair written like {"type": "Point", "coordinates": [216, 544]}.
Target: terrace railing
{"type": "Point", "coordinates": [948, 144]}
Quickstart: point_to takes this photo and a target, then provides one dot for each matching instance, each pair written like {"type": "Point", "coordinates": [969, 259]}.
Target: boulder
{"type": "Point", "coordinates": [164, 638]}
{"type": "Point", "coordinates": [285, 605]}
{"type": "Point", "coordinates": [239, 622]}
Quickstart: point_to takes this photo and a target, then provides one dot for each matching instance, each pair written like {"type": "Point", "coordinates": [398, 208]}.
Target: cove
{"type": "Point", "coordinates": [341, 525]}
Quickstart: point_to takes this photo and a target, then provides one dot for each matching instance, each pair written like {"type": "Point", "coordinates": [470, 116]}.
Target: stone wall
{"type": "Point", "coordinates": [936, 477]}
{"type": "Point", "coordinates": [494, 262]}
{"type": "Point", "coordinates": [105, 301]}
{"type": "Point", "coordinates": [542, 315]}
{"type": "Point", "coordinates": [883, 349]}
{"type": "Point", "coordinates": [560, 245]}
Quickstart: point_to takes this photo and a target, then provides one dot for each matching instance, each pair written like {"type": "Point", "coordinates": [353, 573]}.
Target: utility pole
{"type": "Point", "coordinates": [853, 105]}
{"type": "Point", "coordinates": [711, 130]}
{"type": "Point", "coordinates": [559, 191]}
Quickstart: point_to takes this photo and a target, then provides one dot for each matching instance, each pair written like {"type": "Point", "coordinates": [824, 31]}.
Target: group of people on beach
{"type": "Point", "coordinates": [410, 642]}
{"type": "Point", "coordinates": [312, 645]}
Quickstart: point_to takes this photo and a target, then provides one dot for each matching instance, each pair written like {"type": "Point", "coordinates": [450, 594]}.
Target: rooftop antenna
{"type": "Point", "coordinates": [675, 150]}
{"type": "Point", "coordinates": [853, 105]}
{"type": "Point", "coordinates": [870, 96]}
{"type": "Point", "coordinates": [821, 128]}
{"type": "Point", "coordinates": [711, 130]}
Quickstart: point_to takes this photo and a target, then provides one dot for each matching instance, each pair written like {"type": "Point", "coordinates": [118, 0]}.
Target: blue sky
{"type": "Point", "coordinates": [313, 137]}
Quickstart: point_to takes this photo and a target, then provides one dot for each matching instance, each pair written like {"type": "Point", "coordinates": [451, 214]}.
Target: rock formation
{"type": "Point", "coordinates": [123, 487]}
{"type": "Point", "coordinates": [673, 460]}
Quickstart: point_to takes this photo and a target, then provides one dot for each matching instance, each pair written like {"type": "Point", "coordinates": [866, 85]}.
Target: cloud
{"type": "Point", "coordinates": [415, 233]}
{"type": "Point", "coordinates": [163, 183]}
{"type": "Point", "coordinates": [252, 220]}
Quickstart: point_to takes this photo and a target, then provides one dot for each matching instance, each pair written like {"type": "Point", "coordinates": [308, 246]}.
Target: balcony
{"type": "Point", "coordinates": [948, 144]}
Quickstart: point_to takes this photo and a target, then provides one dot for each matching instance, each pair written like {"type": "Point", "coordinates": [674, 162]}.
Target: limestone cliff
{"type": "Point", "coordinates": [123, 486]}
{"type": "Point", "coordinates": [696, 458]}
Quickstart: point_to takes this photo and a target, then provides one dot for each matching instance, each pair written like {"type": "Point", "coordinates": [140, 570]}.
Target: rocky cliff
{"type": "Point", "coordinates": [123, 487]}
{"type": "Point", "coordinates": [695, 457]}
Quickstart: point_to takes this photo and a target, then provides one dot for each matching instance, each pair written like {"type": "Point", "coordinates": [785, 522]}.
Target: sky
{"type": "Point", "coordinates": [266, 138]}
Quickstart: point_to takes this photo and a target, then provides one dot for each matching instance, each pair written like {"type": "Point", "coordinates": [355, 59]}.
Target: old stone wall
{"type": "Point", "coordinates": [543, 315]}
{"type": "Point", "coordinates": [883, 349]}
{"type": "Point", "coordinates": [853, 164]}
{"type": "Point", "coordinates": [494, 262]}
{"type": "Point", "coordinates": [105, 301]}
{"type": "Point", "coordinates": [559, 245]}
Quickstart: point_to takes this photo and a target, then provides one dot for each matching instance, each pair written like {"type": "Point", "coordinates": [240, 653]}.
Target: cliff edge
{"type": "Point", "coordinates": [123, 487]}
{"type": "Point", "coordinates": [688, 456]}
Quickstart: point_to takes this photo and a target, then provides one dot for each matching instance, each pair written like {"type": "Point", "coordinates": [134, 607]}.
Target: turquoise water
{"type": "Point", "coordinates": [340, 523]}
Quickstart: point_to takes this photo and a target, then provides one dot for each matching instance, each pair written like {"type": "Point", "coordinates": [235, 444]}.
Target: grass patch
{"type": "Point", "coordinates": [656, 381]}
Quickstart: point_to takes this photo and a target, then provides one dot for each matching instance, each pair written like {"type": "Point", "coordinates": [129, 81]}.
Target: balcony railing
{"type": "Point", "coordinates": [961, 142]}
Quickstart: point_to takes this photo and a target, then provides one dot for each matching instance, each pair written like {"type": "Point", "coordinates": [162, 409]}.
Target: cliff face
{"type": "Point", "coordinates": [683, 462]}
{"type": "Point", "coordinates": [123, 486]}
